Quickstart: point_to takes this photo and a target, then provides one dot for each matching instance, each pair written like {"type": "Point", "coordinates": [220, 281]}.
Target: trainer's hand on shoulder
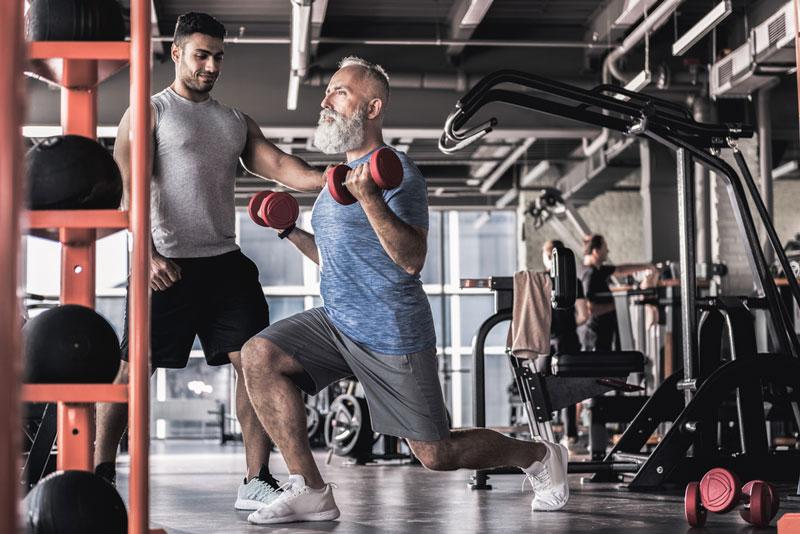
{"type": "Point", "coordinates": [164, 272]}
{"type": "Point", "coordinates": [360, 184]}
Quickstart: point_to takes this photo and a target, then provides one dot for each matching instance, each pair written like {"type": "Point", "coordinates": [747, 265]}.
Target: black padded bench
{"type": "Point", "coordinates": [562, 380]}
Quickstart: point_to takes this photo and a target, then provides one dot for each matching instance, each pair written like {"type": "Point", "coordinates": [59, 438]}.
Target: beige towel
{"type": "Point", "coordinates": [530, 324]}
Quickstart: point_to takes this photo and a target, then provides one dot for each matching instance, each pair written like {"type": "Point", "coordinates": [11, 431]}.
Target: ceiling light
{"type": "Point", "coordinates": [535, 173]}
{"type": "Point", "coordinates": [475, 12]}
{"type": "Point", "coordinates": [639, 81]}
{"type": "Point", "coordinates": [782, 170]}
{"type": "Point", "coordinates": [483, 219]}
{"type": "Point", "coordinates": [506, 199]}
{"type": "Point", "coordinates": [703, 26]}
{"type": "Point", "coordinates": [294, 89]}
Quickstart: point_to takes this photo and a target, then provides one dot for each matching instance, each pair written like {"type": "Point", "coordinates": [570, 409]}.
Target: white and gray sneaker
{"type": "Point", "coordinates": [262, 489]}
{"type": "Point", "coordinates": [298, 502]}
{"type": "Point", "coordinates": [549, 479]}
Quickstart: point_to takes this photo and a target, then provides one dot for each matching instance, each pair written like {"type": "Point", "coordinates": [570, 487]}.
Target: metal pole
{"type": "Point", "coordinates": [797, 46]}
{"type": "Point", "coordinates": [11, 173]}
{"type": "Point", "coordinates": [479, 383]}
{"type": "Point", "coordinates": [411, 42]}
{"type": "Point", "coordinates": [765, 161]}
{"type": "Point", "coordinates": [702, 184]}
{"type": "Point", "coordinates": [139, 399]}
{"type": "Point", "coordinates": [686, 231]}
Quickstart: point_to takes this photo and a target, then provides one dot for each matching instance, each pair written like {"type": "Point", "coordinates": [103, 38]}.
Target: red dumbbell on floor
{"type": "Point", "coordinates": [720, 491]}
{"type": "Point", "coordinates": [384, 167]}
{"type": "Point", "coordinates": [274, 209]}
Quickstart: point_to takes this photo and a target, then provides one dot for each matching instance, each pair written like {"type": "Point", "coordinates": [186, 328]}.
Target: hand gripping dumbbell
{"type": "Point", "coordinates": [274, 209]}
{"type": "Point", "coordinates": [720, 491]}
{"type": "Point", "coordinates": [384, 167]}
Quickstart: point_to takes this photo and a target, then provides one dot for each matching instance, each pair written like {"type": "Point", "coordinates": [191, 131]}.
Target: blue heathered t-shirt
{"type": "Point", "coordinates": [366, 295]}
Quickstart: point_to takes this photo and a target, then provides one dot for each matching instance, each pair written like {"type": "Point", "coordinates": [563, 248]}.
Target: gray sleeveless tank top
{"type": "Point", "coordinates": [197, 148]}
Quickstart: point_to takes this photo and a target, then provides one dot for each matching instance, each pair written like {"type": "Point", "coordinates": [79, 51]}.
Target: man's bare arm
{"type": "Point", "coordinates": [305, 243]}
{"type": "Point", "coordinates": [599, 308]}
{"type": "Point", "coordinates": [164, 272]}
{"type": "Point", "coordinates": [264, 159]}
{"type": "Point", "coordinates": [405, 244]}
{"type": "Point", "coordinates": [581, 311]}
{"type": "Point", "coordinates": [632, 268]}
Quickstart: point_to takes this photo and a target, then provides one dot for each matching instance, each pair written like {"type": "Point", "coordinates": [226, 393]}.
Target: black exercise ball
{"type": "Point", "coordinates": [74, 20]}
{"type": "Point", "coordinates": [70, 344]}
{"type": "Point", "coordinates": [72, 172]}
{"type": "Point", "coordinates": [74, 502]}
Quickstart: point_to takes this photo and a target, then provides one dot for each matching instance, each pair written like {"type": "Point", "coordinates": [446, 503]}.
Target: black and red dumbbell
{"type": "Point", "coordinates": [720, 491]}
{"type": "Point", "coordinates": [384, 167]}
{"type": "Point", "coordinates": [274, 209]}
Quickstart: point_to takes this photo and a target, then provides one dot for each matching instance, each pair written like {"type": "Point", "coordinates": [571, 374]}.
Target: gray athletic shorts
{"type": "Point", "coordinates": [402, 390]}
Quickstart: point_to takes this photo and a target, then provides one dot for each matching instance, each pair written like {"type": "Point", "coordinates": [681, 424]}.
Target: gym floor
{"type": "Point", "coordinates": [193, 485]}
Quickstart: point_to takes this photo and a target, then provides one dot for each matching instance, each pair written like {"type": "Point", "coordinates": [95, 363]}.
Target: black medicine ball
{"type": "Point", "coordinates": [74, 502]}
{"type": "Point", "coordinates": [74, 20]}
{"type": "Point", "coordinates": [72, 172]}
{"type": "Point", "coordinates": [70, 344]}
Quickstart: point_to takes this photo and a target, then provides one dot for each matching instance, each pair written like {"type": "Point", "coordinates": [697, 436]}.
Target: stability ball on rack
{"type": "Point", "coordinates": [70, 344]}
{"type": "Point", "coordinates": [69, 502]}
{"type": "Point", "coordinates": [72, 172]}
{"type": "Point", "coordinates": [74, 20]}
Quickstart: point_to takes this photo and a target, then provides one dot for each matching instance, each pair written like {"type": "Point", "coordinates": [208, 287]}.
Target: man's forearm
{"type": "Point", "coordinates": [402, 242]}
{"type": "Point", "coordinates": [305, 243]}
{"type": "Point", "coordinates": [292, 166]}
{"type": "Point", "coordinates": [600, 308]}
{"type": "Point", "coordinates": [632, 268]}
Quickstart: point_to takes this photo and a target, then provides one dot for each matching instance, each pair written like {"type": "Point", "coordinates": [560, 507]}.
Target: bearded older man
{"type": "Point", "coordinates": [375, 324]}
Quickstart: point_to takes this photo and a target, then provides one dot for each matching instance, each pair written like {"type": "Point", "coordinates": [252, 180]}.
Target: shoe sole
{"type": "Point", "coordinates": [329, 515]}
{"type": "Point", "coordinates": [565, 465]}
{"type": "Point", "coordinates": [246, 505]}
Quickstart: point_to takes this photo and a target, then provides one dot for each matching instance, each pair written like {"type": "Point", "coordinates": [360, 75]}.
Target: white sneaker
{"type": "Point", "coordinates": [262, 489]}
{"type": "Point", "coordinates": [549, 479]}
{"type": "Point", "coordinates": [298, 502]}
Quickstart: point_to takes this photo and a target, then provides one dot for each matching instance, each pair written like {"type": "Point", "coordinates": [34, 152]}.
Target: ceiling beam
{"type": "Point", "coordinates": [464, 17]}
{"type": "Point", "coordinates": [296, 132]}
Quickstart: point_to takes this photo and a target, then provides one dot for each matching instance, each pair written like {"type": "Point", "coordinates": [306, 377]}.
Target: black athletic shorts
{"type": "Point", "coordinates": [219, 299]}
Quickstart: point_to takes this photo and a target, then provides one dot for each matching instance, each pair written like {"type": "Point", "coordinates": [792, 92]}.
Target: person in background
{"type": "Point", "coordinates": [600, 332]}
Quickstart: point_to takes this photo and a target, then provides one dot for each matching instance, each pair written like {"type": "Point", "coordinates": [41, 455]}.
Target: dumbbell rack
{"type": "Point", "coordinates": [78, 68]}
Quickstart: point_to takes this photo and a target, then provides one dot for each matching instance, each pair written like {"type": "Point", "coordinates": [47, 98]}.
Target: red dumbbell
{"type": "Point", "coordinates": [720, 491]}
{"type": "Point", "coordinates": [274, 209]}
{"type": "Point", "coordinates": [766, 511]}
{"type": "Point", "coordinates": [384, 167]}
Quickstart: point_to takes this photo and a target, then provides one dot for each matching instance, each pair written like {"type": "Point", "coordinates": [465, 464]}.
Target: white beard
{"type": "Point", "coordinates": [341, 134]}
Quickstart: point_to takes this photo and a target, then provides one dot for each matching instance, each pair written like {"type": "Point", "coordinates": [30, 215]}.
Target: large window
{"type": "Point", "coordinates": [461, 244]}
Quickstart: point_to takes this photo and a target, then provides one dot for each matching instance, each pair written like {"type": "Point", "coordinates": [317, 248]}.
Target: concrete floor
{"type": "Point", "coordinates": [193, 487]}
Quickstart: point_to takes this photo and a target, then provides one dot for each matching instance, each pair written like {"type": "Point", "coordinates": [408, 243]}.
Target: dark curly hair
{"type": "Point", "coordinates": [193, 22]}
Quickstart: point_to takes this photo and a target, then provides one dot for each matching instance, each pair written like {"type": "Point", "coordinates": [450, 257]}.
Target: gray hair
{"type": "Point", "coordinates": [375, 72]}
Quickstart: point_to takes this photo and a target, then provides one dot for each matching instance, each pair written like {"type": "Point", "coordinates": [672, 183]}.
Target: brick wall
{"type": "Point", "coordinates": [616, 215]}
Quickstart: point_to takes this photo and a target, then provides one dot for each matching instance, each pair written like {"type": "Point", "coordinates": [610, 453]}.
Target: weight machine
{"type": "Point", "coordinates": [690, 398]}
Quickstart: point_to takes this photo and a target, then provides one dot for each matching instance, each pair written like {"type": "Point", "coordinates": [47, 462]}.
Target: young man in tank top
{"type": "Point", "coordinates": [201, 283]}
{"type": "Point", "coordinates": [375, 323]}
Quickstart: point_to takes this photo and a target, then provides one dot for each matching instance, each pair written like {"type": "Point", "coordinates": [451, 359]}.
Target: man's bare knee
{"type": "Point", "coordinates": [261, 357]}
{"type": "Point", "coordinates": [433, 455]}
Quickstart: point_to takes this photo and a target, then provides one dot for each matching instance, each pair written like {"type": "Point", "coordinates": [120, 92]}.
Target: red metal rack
{"type": "Point", "coordinates": [78, 68]}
